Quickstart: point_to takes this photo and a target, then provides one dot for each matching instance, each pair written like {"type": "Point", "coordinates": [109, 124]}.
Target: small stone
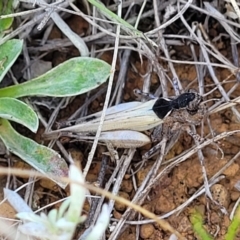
{"type": "Point", "coordinates": [184, 225]}
{"type": "Point", "coordinates": [120, 206]}
{"type": "Point", "coordinates": [231, 170]}
{"type": "Point", "coordinates": [146, 231]}
{"type": "Point", "coordinates": [127, 186]}
{"type": "Point", "coordinates": [235, 195]}
{"type": "Point", "coordinates": [142, 173]}
{"type": "Point", "coordinates": [164, 205]}
{"type": "Point", "coordinates": [76, 155]}
{"type": "Point", "coordinates": [215, 218]}
{"type": "Point", "coordinates": [221, 195]}
{"type": "Point", "coordinates": [149, 207]}
{"type": "Point", "coordinates": [117, 215]}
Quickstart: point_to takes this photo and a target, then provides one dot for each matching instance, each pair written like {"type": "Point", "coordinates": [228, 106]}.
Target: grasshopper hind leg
{"type": "Point", "coordinates": [163, 132]}
{"type": "Point", "coordinates": [170, 143]}
{"type": "Point", "coordinates": [172, 137]}
{"type": "Point", "coordinates": [112, 152]}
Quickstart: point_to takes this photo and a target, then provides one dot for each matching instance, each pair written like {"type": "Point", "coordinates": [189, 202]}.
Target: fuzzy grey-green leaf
{"type": "Point", "coordinates": [73, 77]}
{"type": "Point", "coordinates": [9, 52]}
{"type": "Point", "coordinates": [42, 158]}
{"type": "Point", "coordinates": [17, 111]}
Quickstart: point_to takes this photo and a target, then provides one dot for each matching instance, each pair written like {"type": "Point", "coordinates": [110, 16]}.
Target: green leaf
{"type": "Point", "coordinates": [9, 52]}
{"type": "Point", "coordinates": [115, 18]}
{"type": "Point", "coordinates": [17, 111]}
{"type": "Point", "coordinates": [5, 8]}
{"type": "Point", "coordinates": [197, 223]}
{"type": "Point", "coordinates": [38, 156]}
{"type": "Point", "coordinates": [73, 77]}
{"type": "Point", "coordinates": [234, 226]}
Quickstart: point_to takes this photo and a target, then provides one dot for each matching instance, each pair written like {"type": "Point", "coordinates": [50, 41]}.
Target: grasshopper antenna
{"type": "Point", "coordinates": [209, 100]}
{"type": "Point", "coordinates": [176, 86]}
{"type": "Point", "coordinates": [206, 94]}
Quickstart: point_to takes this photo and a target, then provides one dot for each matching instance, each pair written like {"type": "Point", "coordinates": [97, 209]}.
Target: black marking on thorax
{"type": "Point", "coordinates": [164, 106]}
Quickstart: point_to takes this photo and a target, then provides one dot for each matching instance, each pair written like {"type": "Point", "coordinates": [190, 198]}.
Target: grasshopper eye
{"type": "Point", "coordinates": [193, 105]}
{"type": "Point", "coordinates": [189, 100]}
{"type": "Point", "coordinates": [183, 100]}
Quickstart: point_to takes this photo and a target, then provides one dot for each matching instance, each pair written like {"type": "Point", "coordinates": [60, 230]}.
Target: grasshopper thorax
{"type": "Point", "coordinates": [189, 100]}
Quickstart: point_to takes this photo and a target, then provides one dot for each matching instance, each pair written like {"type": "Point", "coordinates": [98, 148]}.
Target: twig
{"type": "Point", "coordinates": [90, 156]}
{"type": "Point", "coordinates": [140, 194]}
{"type": "Point", "coordinates": [76, 40]}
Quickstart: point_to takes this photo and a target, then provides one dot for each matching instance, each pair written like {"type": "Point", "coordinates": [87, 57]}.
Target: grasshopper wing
{"type": "Point", "coordinates": [137, 117]}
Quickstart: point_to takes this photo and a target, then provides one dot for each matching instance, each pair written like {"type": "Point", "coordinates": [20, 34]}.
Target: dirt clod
{"type": "Point", "coordinates": [146, 231]}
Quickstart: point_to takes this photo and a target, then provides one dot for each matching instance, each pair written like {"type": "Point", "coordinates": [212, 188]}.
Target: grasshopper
{"type": "Point", "coordinates": [124, 123]}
